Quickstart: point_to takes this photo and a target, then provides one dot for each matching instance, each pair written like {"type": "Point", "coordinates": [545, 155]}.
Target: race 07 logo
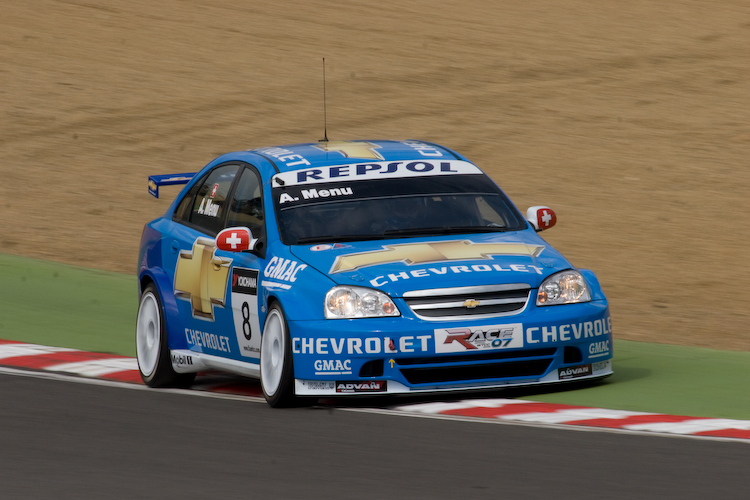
{"type": "Point", "coordinates": [480, 338]}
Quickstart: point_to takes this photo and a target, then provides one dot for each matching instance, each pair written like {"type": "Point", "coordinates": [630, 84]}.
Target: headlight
{"type": "Point", "coordinates": [566, 287]}
{"type": "Point", "coordinates": [343, 302]}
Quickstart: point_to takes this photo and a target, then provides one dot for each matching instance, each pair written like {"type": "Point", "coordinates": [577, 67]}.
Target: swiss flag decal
{"type": "Point", "coordinates": [541, 217]}
{"type": "Point", "coordinates": [234, 239]}
{"type": "Point", "coordinates": [546, 218]}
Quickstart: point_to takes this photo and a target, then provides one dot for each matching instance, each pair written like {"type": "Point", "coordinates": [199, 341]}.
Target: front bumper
{"type": "Point", "coordinates": [405, 355]}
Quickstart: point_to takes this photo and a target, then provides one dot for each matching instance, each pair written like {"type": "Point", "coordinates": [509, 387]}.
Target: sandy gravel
{"type": "Point", "coordinates": [630, 119]}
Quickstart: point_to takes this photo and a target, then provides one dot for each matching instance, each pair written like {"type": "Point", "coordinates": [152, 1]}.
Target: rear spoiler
{"type": "Point", "coordinates": [154, 181]}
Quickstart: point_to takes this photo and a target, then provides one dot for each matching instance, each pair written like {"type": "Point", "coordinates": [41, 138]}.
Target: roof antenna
{"type": "Point", "coordinates": [325, 118]}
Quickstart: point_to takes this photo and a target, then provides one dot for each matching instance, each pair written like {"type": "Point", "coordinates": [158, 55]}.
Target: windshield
{"type": "Point", "coordinates": [393, 208]}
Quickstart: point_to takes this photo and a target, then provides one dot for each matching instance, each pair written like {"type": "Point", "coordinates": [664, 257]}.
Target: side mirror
{"type": "Point", "coordinates": [541, 217]}
{"type": "Point", "coordinates": [235, 239]}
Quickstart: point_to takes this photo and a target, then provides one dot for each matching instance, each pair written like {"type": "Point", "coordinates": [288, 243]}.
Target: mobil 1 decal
{"type": "Point", "coordinates": [245, 310]}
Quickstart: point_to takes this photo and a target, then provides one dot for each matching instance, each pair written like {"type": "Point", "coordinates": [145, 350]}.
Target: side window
{"type": "Point", "coordinates": [246, 207]}
{"type": "Point", "coordinates": [182, 211]}
{"type": "Point", "coordinates": [209, 205]}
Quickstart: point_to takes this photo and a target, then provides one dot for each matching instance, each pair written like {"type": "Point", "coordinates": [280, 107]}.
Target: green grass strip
{"type": "Point", "coordinates": [65, 306]}
{"type": "Point", "coordinates": [669, 379]}
{"type": "Point", "coordinates": [58, 305]}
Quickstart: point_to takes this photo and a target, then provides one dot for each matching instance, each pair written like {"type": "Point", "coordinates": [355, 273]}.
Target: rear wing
{"type": "Point", "coordinates": [154, 181]}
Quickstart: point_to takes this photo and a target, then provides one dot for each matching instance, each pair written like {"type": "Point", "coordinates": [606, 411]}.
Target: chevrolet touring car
{"type": "Point", "coordinates": [360, 268]}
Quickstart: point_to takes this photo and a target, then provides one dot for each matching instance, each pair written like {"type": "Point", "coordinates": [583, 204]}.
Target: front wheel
{"type": "Point", "coordinates": [276, 369]}
{"type": "Point", "coordinates": [152, 349]}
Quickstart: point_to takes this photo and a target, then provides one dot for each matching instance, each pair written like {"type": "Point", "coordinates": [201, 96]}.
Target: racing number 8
{"type": "Point", "coordinates": [246, 321]}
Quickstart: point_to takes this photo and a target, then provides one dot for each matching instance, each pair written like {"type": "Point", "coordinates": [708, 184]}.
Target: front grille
{"type": "Point", "coordinates": [441, 374]}
{"type": "Point", "coordinates": [487, 365]}
{"type": "Point", "coordinates": [468, 302]}
{"type": "Point", "coordinates": [483, 356]}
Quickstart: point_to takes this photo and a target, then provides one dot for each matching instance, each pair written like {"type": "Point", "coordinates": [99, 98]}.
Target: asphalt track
{"type": "Point", "coordinates": [72, 440]}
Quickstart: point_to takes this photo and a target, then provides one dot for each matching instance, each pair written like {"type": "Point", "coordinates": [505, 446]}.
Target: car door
{"type": "Point", "coordinates": [246, 210]}
{"type": "Point", "coordinates": [201, 276]}
{"type": "Point", "coordinates": [217, 290]}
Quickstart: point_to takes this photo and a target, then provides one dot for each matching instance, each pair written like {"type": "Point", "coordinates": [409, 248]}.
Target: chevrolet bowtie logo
{"type": "Point", "coordinates": [439, 251]}
{"type": "Point", "coordinates": [201, 278]}
{"type": "Point", "coordinates": [352, 149]}
{"type": "Point", "coordinates": [470, 304]}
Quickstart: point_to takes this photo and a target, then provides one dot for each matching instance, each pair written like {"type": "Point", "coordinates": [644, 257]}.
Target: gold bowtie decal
{"type": "Point", "coordinates": [201, 278]}
{"type": "Point", "coordinates": [439, 251]}
{"type": "Point", "coordinates": [352, 149]}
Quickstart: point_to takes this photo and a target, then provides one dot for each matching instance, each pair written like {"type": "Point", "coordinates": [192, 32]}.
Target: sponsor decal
{"type": "Point", "coordinates": [572, 331]}
{"type": "Point", "coordinates": [245, 281]}
{"type": "Point", "coordinates": [282, 270]}
{"type": "Point", "coordinates": [209, 208]}
{"type": "Point", "coordinates": [347, 149]}
{"type": "Point", "coordinates": [311, 194]}
{"type": "Point", "coordinates": [320, 248]}
{"type": "Point", "coordinates": [482, 338]}
{"type": "Point", "coordinates": [432, 252]}
{"type": "Point", "coordinates": [245, 311]}
{"type": "Point", "coordinates": [601, 366]}
{"type": "Point", "coordinates": [209, 340]}
{"type": "Point", "coordinates": [374, 170]}
{"type": "Point", "coordinates": [181, 360]}
{"type": "Point", "coordinates": [440, 271]}
{"type": "Point", "coordinates": [316, 385]}
{"type": "Point", "coordinates": [285, 155]}
{"type": "Point", "coordinates": [599, 349]}
{"type": "Point", "coordinates": [358, 345]}
{"type": "Point", "coordinates": [424, 149]}
{"type": "Point", "coordinates": [201, 277]}
{"type": "Point", "coordinates": [213, 191]}
{"type": "Point", "coordinates": [333, 367]}
{"type": "Point", "coordinates": [355, 386]}
{"type": "Point", "coordinates": [574, 372]}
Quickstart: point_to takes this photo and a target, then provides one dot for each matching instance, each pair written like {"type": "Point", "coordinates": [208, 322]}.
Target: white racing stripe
{"type": "Point", "coordinates": [564, 416]}
{"type": "Point", "coordinates": [15, 350]}
{"type": "Point", "coordinates": [97, 367]}
{"type": "Point", "coordinates": [691, 426]}
{"type": "Point", "coordinates": [435, 408]}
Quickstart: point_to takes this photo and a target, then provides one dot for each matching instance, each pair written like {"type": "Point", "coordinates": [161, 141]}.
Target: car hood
{"type": "Point", "coordinates": [400, 265]}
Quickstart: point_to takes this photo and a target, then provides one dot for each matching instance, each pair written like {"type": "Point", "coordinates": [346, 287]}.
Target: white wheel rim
{"type": "Point", "coordinates": [148, 334]}
{"type": "Point", "coordinates": [272, 351]}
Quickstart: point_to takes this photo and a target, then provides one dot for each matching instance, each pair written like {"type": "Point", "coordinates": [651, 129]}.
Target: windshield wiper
{"type": "Point", "coordinates": [444, 230]}
{"type": "Point", "coordinates": [339, 237]}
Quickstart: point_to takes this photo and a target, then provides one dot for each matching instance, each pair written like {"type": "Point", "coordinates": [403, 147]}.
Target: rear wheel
{"type": "Point", "coordinates": [276, 369]}
{"type": "Point", "coordinates": [152, 348]}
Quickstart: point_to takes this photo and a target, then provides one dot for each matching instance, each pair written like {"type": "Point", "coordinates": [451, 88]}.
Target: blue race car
{"type": "Point", "coordinates": [363, 267]}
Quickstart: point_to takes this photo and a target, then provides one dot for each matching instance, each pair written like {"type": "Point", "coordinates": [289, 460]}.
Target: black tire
{"type": "Point", "coordinates": [276, 366]}
{"type": "Point", "coordinates": [152, 347]}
